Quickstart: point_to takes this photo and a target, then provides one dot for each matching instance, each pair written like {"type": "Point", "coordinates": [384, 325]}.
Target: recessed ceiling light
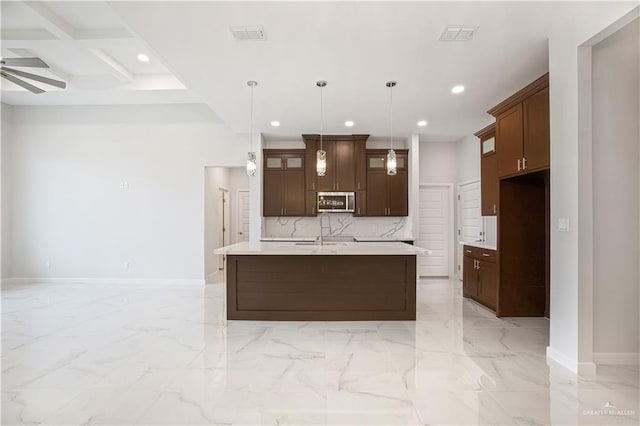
{"type": "Point", "coordinates": [348, 123]}
{"type": "Point", "coordinates": [422, 123]}
{"type": "Point", "coordinates": [275, 123]}
{"type": "Point", "coordinates": [457, 89]}
{"type": "Point", "coordinates": [143, 58]}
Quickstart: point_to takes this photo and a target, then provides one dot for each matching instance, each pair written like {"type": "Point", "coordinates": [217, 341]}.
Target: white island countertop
{"type": "Point", "coordinates": [337, 248]}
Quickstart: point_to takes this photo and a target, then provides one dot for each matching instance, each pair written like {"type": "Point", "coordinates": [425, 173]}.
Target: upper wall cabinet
{"type": "Point", "coordinates": [284, 186]}
{"type": "Point", "coordinates": [346, 168]}
{"type": "Point", "coordinates": [489, 182]}
{"type": "Point", "coordinates": [386, 195]}
{"type": "Point", "coordinates": [345, 162]}
{"type": "Point", "coordinates": [522, 130]}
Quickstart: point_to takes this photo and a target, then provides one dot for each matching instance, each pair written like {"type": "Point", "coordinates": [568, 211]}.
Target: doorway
{"type": "Point", "coordinates": [222, 186]}
{"type": "Point", "coordinates": [435, 230]}
{"type": "Point", "coordinates": [224, 226]}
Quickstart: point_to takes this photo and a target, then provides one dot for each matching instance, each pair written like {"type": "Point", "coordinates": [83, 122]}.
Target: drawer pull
{"type": "Point", "coordinates": [485, 254]}
{"type": "Point", "coordinates": [468, 251]}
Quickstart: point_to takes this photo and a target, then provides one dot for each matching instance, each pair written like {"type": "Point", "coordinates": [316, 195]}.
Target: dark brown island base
{"type": "Point", "coordinates": [337, 282]}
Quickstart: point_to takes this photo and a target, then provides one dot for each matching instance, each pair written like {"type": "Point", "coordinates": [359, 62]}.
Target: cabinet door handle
{"type": "Point", "coordinates": [313, 185]}
{"type": "Point", "coordinates": [313, 210]}
{"type": "Point", "coordinates": [282, 211]}
{"type": "Point", "coordinates": [358, 210]}
{"type": "Point", "coordinates": [524, 163]}
{"type": "Point", "coordinates": [285, 211]}
{"type": "Point", "coordinates": [338, 185]}
{"type": "Point", "coordinates": [358, 185]}
{"type": "Point", "coordinates": [494, 209]}
{"type": "Point", "coordinates": [518, 164]}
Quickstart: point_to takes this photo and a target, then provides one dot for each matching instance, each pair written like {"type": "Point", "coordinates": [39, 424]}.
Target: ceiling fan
{"type": "Point", "coordinates": [12, 74]}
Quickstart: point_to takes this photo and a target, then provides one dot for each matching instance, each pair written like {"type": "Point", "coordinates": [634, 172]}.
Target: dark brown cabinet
{"type": "Point", "coordinates": [480, 276]}
{"type": "Point", "coordinates": [386, 195]}
{"type": "Point", "coordinates": [522, 130]}
{"type": "Point", "coordinates": [346, 169]}
{"type": "Point", "coordinates": [487, 283]}
{"type": "Point", "coordinates": [344, 159]}
{"type": "Point", "coordinates": [470, 277]}
{"type": "Point", "coordinates": [489, 181]}
{"type": "Point", "coordinates": [284, 183]}
{"type": "Point", "coordinates": [535, 110]}
{"type": "Point", "coordinates": [341, 170]}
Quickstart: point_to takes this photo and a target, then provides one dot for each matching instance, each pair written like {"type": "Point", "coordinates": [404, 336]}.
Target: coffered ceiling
{"type": "Point", "coordinates": [87, 45]}
{"type": "Point", "coordinates": [355, 46]}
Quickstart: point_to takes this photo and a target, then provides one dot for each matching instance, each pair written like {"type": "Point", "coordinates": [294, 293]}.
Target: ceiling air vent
{"type": "Point", "coordinates": [457, 33]}
{"type": "Point", "coordinates": [248, 33]}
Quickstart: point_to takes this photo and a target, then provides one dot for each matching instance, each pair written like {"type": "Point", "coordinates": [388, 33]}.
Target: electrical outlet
{"type": "Point", "coordinates": [124, 185]}
{"type": "Point", "coordinates": [564, 225]}
{"type": "Point", "coordinates": [126, 265]}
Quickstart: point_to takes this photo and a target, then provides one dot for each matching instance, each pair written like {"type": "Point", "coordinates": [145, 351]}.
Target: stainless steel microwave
{"type": "Point", "coordinates": [336, 202]}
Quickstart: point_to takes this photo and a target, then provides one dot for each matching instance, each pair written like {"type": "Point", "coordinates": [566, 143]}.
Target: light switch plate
{"type": "Point", "coordinates": [563, 225]}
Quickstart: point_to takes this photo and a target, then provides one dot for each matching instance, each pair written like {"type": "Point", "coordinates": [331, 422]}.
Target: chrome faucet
{"type": "Point", "coordinates": [321, 238]}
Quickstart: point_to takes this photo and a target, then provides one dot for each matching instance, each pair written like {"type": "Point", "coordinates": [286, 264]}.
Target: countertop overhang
{"type": "Point", "coordinates": [331, 249]}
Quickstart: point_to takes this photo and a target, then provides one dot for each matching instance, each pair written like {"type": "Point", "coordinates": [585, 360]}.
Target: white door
{"type": "Point", "coordinates": [469, 216]}
{"type": "Point", "coordinates": [243, 216]}
{"type": "Point", "coordinates": [435, 230]}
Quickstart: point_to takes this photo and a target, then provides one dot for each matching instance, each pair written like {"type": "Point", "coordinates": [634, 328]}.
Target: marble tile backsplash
{"type": "Point", "coordinates": [341, 224]}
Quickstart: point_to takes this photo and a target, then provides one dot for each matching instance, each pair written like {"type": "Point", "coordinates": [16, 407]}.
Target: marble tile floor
{"type": "Point", "coordinates": [87, 354]}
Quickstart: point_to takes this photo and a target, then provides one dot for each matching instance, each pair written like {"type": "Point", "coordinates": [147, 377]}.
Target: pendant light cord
{"type": "Point", "coordinates": [391, 115]}
{"type": "Point", "coordinates": [321, 118]}
{"type": "Point", "coordinates": [251, 122]}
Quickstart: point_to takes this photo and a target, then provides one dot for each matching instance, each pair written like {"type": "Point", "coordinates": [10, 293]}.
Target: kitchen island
{"type": "Point", "coordinates": [306, 281]}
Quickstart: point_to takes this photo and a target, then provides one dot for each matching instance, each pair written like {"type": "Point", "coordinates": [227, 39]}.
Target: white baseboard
{"type": "Point", "coordinates": [612, 358]}
{"type": "Point", "coordinates": [9, 281]}
{"type": "Point", "coordinates": [215, 277]}
{"type": "Point", "coordinates": [189, 282]}
{"type": "Point", "coordinates": [562, 360]}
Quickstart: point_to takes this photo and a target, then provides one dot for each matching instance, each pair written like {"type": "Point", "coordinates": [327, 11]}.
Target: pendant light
{"type": "Point", "coordinates": [252, 164]}
{"type": "Point", "coordinates": [392, 166]}
{"type": "Point", "coordinates": [321, 155]}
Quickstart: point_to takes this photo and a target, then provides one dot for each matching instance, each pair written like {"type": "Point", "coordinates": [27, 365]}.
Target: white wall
{"type": "Point", "coordinates": [567, 302]}
{"type": "Point", "coordinates": [468, 155]}
{"type": "Point", "coordinates": [616, 190]}
{"type": "Point", "coordinates": [68, 207]}
{"type": "Point", "coordinates": [215, 178]}
{"type": "Point", "coordinates": [6, 113]}
{"type": "Point", "coordinates": [438, 162]}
